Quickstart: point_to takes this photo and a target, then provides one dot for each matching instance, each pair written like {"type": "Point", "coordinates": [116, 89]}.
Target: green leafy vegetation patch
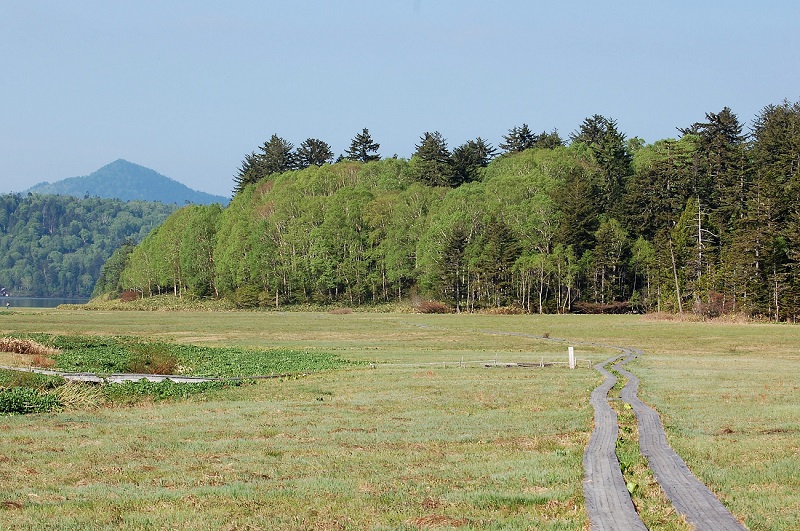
{"type": "Point", "coordinates": [106, 355]}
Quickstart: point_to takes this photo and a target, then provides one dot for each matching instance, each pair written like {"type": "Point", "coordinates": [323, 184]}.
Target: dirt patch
{"type": "Point", "coordinates": [437, 521]}
{"type": "Point", "coordinates": [11, 505]}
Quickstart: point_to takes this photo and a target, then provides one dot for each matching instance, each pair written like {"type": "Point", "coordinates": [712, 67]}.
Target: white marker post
{"type": "Point", "coordinates": [571, 357]}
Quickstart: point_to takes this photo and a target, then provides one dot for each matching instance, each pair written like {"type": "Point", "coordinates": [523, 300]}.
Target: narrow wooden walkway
{"type": "Point", "coordinates": [688, 495]}
{"type": "Point", "coordinates": [608, 502]}
{"type": "Point", "coordinates": [111, 378]}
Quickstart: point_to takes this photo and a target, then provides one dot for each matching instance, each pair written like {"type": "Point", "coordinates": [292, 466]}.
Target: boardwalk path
{"type": "Point", "coordinates": [608, 502]}
{"type": "Point", "coordinates": [134, 377]}
{"type": "Point", "coordinates": [688, 495]}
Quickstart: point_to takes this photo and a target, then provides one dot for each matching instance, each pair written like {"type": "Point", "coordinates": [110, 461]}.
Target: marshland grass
{"type": "Point", "coordinates": [403, 447]}
{"type": "Point", "coordinates": [482, 448]}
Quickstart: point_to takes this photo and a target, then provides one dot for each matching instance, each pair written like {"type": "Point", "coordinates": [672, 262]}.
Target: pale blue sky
{"type": "Point", "coordinates": [188, 88]}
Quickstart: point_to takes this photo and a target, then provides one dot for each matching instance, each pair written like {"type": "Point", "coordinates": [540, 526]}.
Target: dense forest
{"type": "Point", "coordinates": [707, 223]}
{"type": "Point", "coordinates": [55, 246]}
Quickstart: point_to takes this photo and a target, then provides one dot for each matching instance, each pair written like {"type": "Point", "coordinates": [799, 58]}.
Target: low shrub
{"type": "Point", "coordinates": [152, 358]}
{"type": "Point", "coordinates": [341, 311]}
{"type": "Point", "coordinates": [21, 400]}
{"type": "Point", "coordinates": [129, 295]}
{"type": "Point", "coordinates": [246, 297]}
{"type": "Point", "coordinates": [40, 382]}
{"type": "Point", "coordinates": [433, 307]}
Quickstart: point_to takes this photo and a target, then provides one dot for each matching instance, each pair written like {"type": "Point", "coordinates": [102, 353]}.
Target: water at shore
{"type": "Point", "coordinates": [37, 302]}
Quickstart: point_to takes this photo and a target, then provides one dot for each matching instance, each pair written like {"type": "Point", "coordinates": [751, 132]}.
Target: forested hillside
{"type": "Point", "coordinates": [706, 223]}
{"type": "Point", "coordinates": [55, 246]}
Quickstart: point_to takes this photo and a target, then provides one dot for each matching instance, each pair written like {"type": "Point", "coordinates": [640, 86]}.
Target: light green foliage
{"type": "Point", "coordinates": [108, 283]}
{"type": "Point", "coordinates": [542, 228]}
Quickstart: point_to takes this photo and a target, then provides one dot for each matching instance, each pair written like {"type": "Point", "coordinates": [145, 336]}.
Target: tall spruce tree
{"type": "Point", "coordinates": [363, 148]}
{"type": "Point", "coordinates": [313, 152]}
{"type": "Point", "coordinates": [432, 163]}
{"type": "Point", "coordinates": [722, 164]}
{"type": "Point", "coordinates": [518, 139]}
{"type": "Point", "coordinates": [657, 191]}
{"type": "Point", "coordinates": [469, 158]}
{"type": "Point", "coordinates": [608, 145]}
{"type": "Point", "coordinates": [276, 155]}
{"type": "Point", "coordinates": [773, 209]}
{"type": "Point", "coordinates": [248, 173]}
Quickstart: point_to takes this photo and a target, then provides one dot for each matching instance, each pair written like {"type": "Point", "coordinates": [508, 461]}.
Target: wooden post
{"type": "Point", "coordinates": [571, 357]}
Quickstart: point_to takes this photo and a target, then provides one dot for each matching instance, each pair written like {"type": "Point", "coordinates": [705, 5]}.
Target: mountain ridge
{"type": "Point", "coordinates": [128, 181]}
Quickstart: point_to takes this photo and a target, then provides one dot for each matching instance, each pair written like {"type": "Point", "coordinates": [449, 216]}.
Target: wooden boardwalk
{"type": "Point", "coordinates": [608, 502]}
{"type": "Point", "coordinates": [115, 378]}
{"type": "Point", "coordinates": [688, 495]}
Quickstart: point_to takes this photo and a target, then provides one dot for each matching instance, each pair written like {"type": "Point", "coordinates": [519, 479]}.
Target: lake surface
{"type": "Point", "coordinates": [37, 302]}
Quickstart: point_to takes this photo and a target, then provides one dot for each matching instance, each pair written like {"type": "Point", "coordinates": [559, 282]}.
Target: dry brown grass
{"type": "Point", "coordinates": [691, 317]}
{"type": "Point", "coordinates": [25, 346]}
{"type": "Point", "coordinates": [41, 360]}
{"type": "Point", "coordinates": [28, 352]}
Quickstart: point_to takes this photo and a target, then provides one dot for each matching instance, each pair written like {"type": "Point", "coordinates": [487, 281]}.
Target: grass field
{"type": "Point", "coordinates": [404, 445]}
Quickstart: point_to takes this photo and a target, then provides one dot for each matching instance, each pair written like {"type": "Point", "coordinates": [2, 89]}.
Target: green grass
{"type": "Point", "coordinates": [403, 447]}
{"type": "Point", "coordinates": [366, 449]}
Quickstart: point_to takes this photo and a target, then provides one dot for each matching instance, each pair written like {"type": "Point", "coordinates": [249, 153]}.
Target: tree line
{"type": "Point", "coordinates": [707, 222]}
{"type": "Point", "coordinates": [56, 246]}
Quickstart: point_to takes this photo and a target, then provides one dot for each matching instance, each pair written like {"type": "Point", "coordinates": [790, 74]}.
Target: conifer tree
{"type": "Point", "coordinates": [469, 158]}
{"type": "Point", "coordinates": [313, 152]}
{"type": "Point", "coordinates": [608, 145]}
{"type": "Point", "coordinates": [275, 156]}
{"type": "Point", "coordinates": [363, 148]}
{"type": "Point", "coordinates": [432, 163]}
{"type": "Point", "coordinates": [518, 139]}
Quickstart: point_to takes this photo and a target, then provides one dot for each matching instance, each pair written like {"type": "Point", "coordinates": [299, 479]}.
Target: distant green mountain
{"type": "Point", "coordinates": [128, 182]}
